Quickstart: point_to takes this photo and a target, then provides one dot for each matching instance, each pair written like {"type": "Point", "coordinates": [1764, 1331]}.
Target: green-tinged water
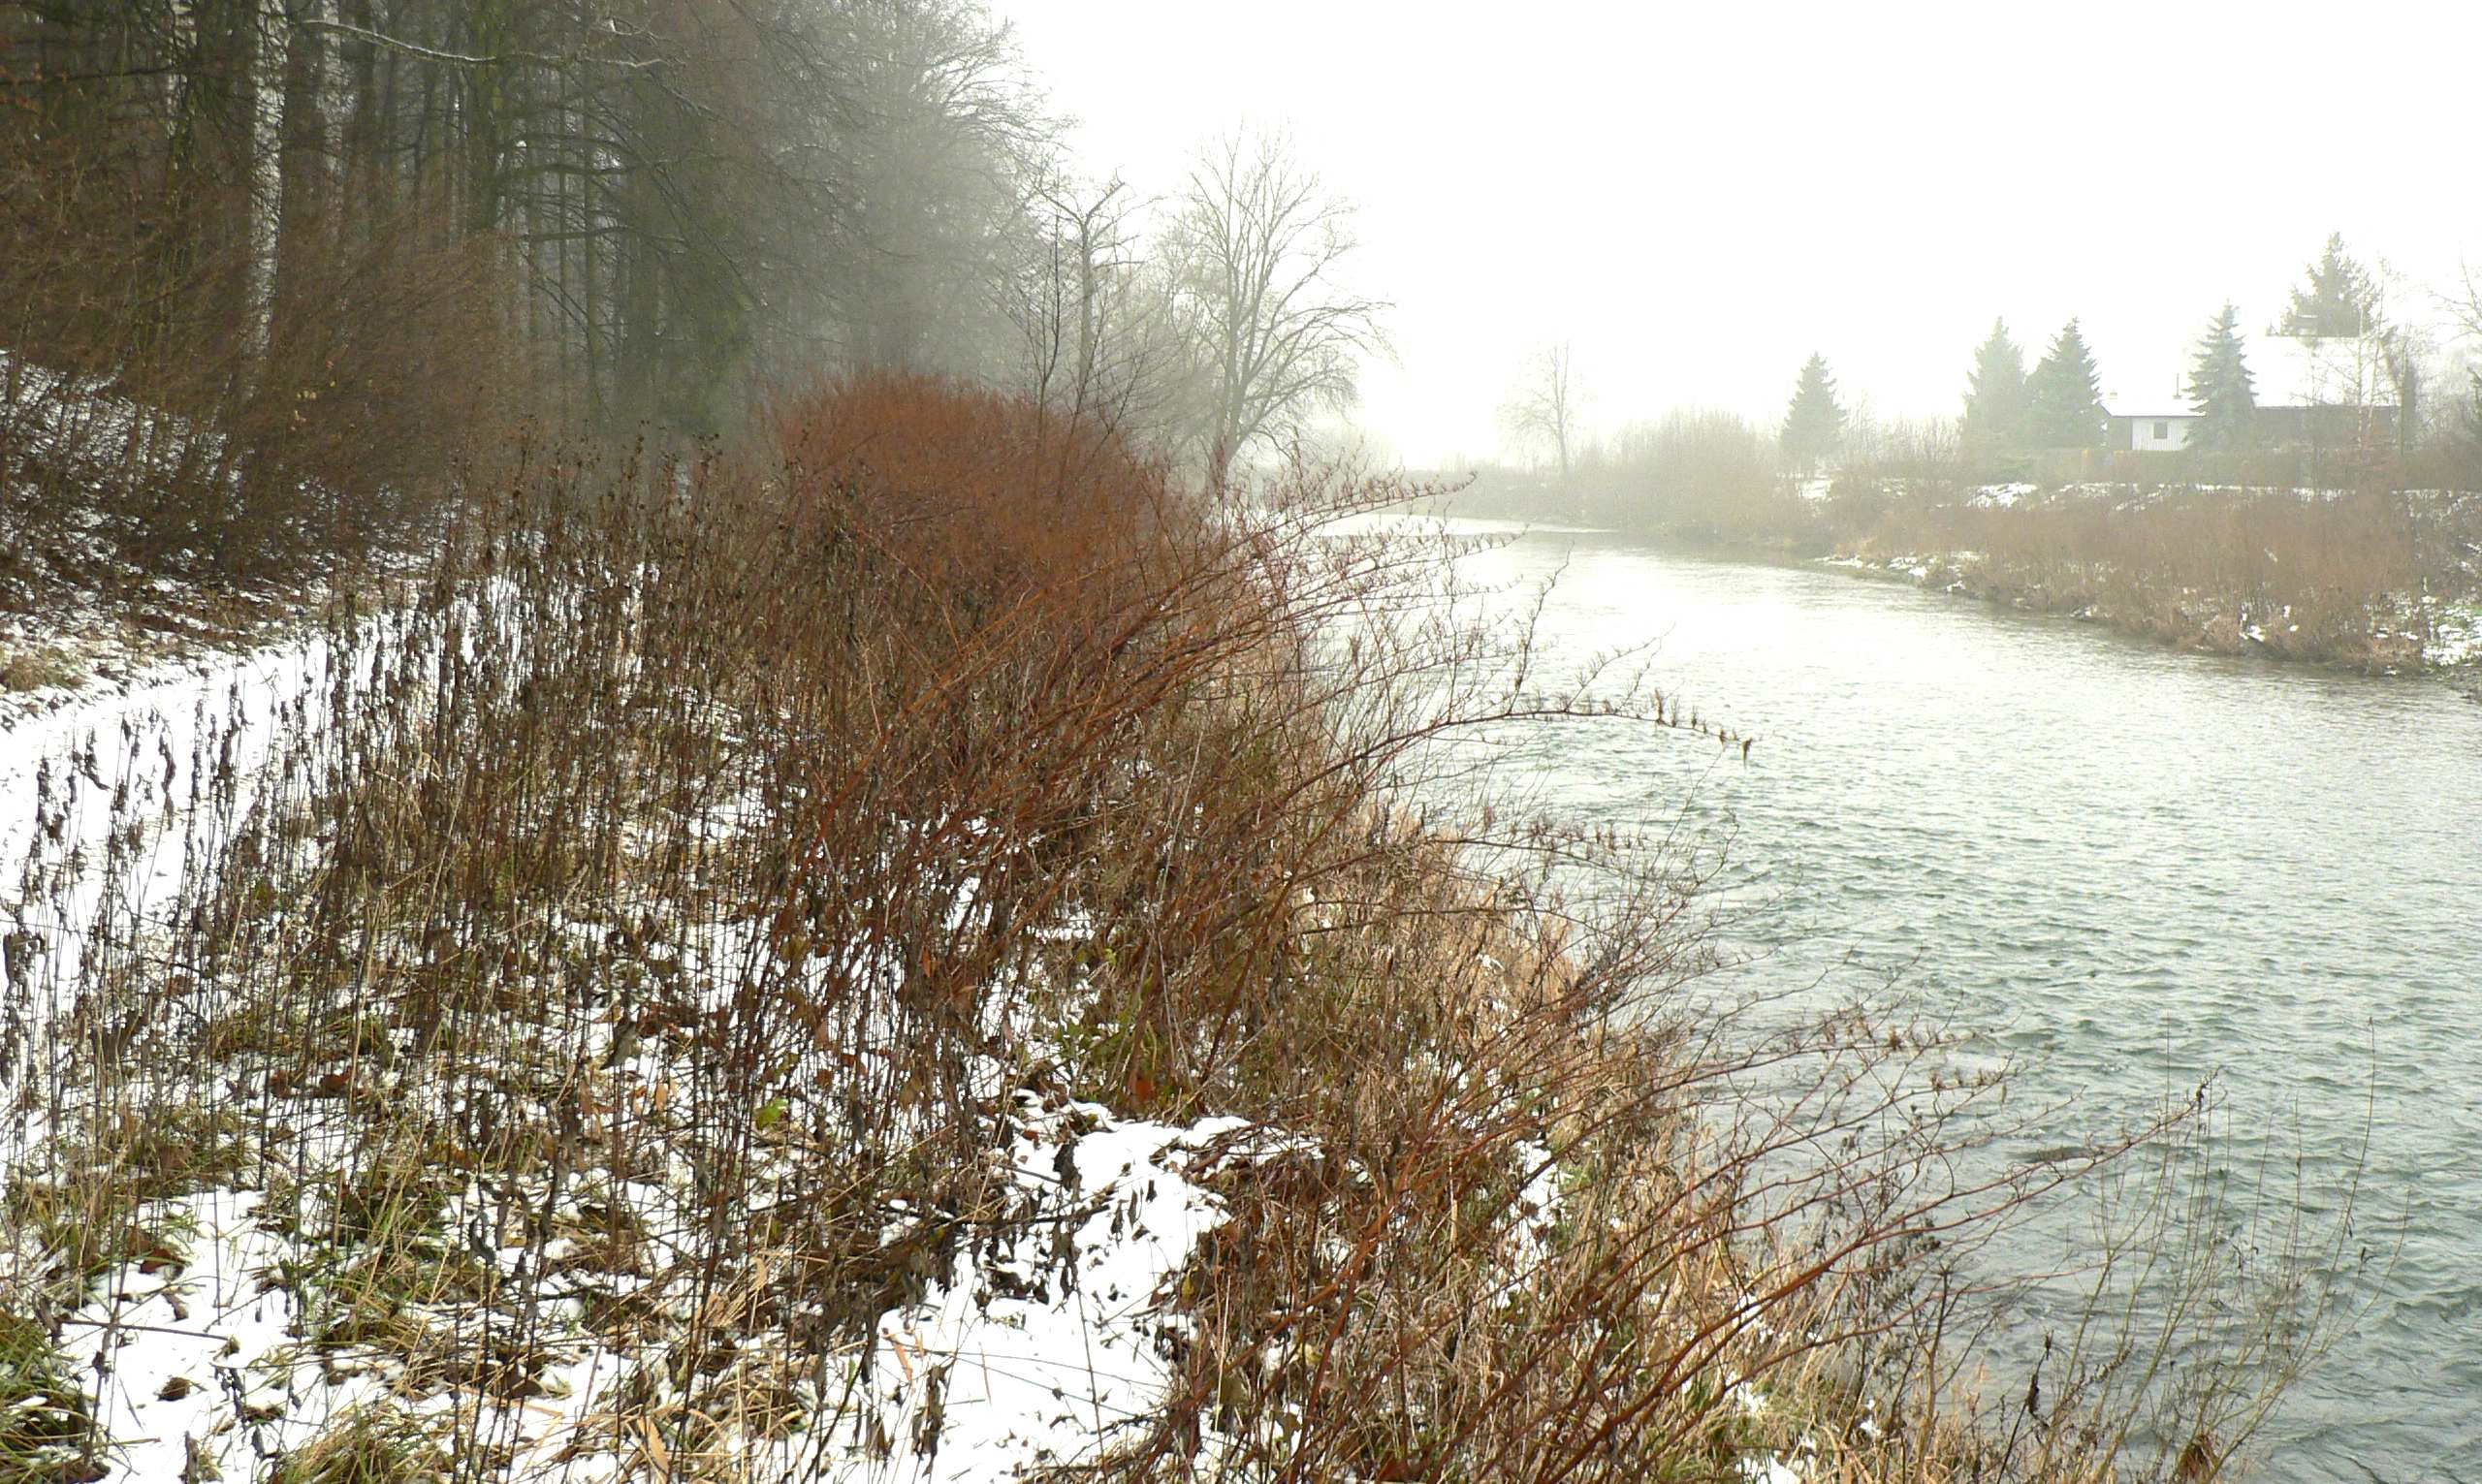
{"type": "Point", "coordinates": [2125, 869]}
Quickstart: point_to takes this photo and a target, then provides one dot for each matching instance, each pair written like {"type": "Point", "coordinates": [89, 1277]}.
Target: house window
{"type": "Point", "coordinates": [2162, 433]}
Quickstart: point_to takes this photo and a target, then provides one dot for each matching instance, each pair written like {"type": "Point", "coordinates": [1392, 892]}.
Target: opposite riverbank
{"type": "Point", "coordinates": [2205, 622]}
{"type": "Point", "coordinates": [2374, 581]}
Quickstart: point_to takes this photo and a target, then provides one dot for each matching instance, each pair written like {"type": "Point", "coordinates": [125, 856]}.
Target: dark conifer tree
{"type": "Point", "coordinates": [2219, 388]}
{"type": "Point", "coordinates": [1814, 425]}
{"type": "Point", "coordinates": [2336, 299]}
{"type": "Point", "coordinates": [1995, 395]}
{"type": "Point", "coordinates": [2064, 396]}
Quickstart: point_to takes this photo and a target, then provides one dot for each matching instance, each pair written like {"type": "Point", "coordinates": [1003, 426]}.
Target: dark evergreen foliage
{"type": "Point", "coordinates": [2338, 299]}
{"type": "Point", "coordinates": [2220, 388]}
{"type": "Point", "coordinates": [2064, 396]}
{"type": "Point", "coordinates": [1995, 394]}
{"type": "Point", "coordinates": [1814, 423]}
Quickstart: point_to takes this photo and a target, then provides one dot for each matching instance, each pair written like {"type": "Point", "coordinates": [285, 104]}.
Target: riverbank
{"type": "Point", "coordinates": [2381, 582]}
{"type": "Point", "coordinates": [2444, 639]}
{"type": "Point", "coordinates": [2374, 580]}
{"type": "Point", "coordinates": [783, 984]}
{"type": "Point", "coordinates": [794, 989]}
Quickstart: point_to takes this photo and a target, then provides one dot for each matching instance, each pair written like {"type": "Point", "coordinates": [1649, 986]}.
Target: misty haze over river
{"type": "Point", "coordinates": [2125, 868]}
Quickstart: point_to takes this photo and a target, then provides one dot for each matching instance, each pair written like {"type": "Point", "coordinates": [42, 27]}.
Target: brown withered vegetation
{"type": "Point", "coordinates": [2353, 577]}
{"type": "Point", "coordinates": [698, 884]}
{"type": "Point", "coordinates": [2350, 558]}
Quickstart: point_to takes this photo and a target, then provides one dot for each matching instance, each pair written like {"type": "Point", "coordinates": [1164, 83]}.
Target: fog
{"type": "Point", "coordinates": [1698, 199]}
{"type": "Point", "coordinates": [827, 836]}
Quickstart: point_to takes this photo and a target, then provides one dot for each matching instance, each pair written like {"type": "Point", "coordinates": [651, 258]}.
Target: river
{"type": "Point", "coordinates": [2123, 868]}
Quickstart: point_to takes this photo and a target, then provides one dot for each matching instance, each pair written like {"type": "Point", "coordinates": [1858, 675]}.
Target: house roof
{"type": "Point", "coordinates": [2158, 406]}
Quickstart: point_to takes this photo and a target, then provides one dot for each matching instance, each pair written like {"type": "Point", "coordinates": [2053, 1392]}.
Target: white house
{"type": "Point", "coordinates": [2151, 424]}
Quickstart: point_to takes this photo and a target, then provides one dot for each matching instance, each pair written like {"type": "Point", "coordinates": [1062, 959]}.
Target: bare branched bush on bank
{"type": "Point", "coordinates": [1702, 476]}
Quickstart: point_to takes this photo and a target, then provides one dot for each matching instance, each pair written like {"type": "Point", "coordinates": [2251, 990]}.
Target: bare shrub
{"type": "Point", "coordinates": [1706, 476]}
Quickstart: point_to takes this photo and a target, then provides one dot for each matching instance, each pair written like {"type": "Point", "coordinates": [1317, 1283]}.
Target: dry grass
{"type": "Point", "coordinates": [2340, 579]}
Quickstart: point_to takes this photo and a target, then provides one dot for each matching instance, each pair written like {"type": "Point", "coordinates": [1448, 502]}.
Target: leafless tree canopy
{"type": "Point", "coordinates": [1257, 245]}
{"type": "Point", "coordinates": [1542, 411]}
{"type": "Point", "coordinates": [1100, 328]}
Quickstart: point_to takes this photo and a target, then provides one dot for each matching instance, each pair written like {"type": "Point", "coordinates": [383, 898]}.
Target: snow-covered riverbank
{"type": "Point", "coordinates": [2429, 635]}
{"type": "Point", "coordinates": [214, 1343]}
{"type": "Point", "coordinates": [226, 1327]}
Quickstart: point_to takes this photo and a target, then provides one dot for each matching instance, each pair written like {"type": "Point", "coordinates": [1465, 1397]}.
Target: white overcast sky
{"type": "Point", "coordinates": [1697, 197]}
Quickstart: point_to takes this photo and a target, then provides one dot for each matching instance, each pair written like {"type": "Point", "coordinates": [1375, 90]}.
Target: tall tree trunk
{"type": "Point", "coordinates": [265, 175]}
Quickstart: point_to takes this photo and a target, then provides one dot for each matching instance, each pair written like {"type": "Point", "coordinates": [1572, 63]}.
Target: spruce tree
{"type": "Point", "coordinates": [1814, 423]}
{"type": "Point", "coordinates": [1995, 394]}
{"type": "Point", "coordinates": [2064, 398]}
{"type": "Point", "coordinates": [2337, 299]}
{"type": "Point", "coordinates": [2219, 388]}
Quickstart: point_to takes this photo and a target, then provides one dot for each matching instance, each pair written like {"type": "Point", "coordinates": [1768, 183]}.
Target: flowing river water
{"type": "Point", "coordinates": [2123, 868]}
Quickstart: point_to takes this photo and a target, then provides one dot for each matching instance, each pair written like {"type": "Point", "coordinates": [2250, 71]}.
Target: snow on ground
{"type": "Point", "coordinates": [75, 647]}
{"type": "Point", "coordinates": [61, 414]}
{"type": "Point", "coordinates": [202, 1357]}
{"type": "Point", "coordinates": [1024, 1381]}
{"type": "Point", "coordinates": [2456, 635]}
{"type": "Point", "coordinates": [78, 613]}
{"type": "Point", "coordinates": [77, 782]}
{"type": "Point", "coordinates": [2454, 628]}
{"type": "Point", "coordinates": [197, 1348]}
{"type": "Point", "coordinates": [182, 1343]}
{"type": "Point", "coordinates": [1914, 568]}
{"type": "Point", "coordinates": [211, 1345]}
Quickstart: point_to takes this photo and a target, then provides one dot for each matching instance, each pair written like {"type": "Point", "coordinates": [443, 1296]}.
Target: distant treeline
{"type": "Point", "coordinates": [2349, 553]}
{"type": "Point", "coordinates": [2361, 398]}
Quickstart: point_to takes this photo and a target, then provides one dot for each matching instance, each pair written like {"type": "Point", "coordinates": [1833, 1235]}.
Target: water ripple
{"type": "Point", "coordinates": [2132, 868]}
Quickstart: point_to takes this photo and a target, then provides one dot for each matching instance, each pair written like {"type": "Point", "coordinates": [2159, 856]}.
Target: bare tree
{"type": "Point", "coordinates": [1542, 409]}
{"type": "Point", "coordinates": [2458, 412]}
{"type": "Point", "coordinates": [2342, 311]}
{"type": "Point", "coordinates": [2463, 302]}
{"type": "Point", "coordinates": [668, 202]}
{"type": "Point", "coordinates": [1256, 248]}
{"type": "Point", "coordinates": [1102, 337]}
{"type": "Point", "coordinates": [2402, 349]}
